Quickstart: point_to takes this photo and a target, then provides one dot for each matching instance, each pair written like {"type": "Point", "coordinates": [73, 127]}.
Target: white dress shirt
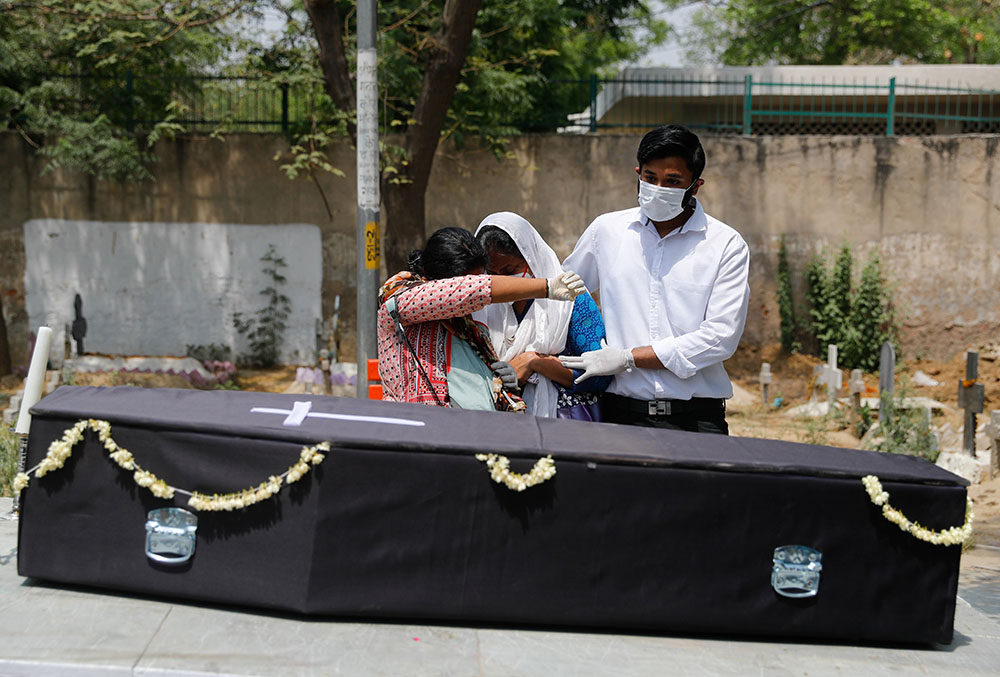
{"type": "Point", "coordinates": [685, 294]}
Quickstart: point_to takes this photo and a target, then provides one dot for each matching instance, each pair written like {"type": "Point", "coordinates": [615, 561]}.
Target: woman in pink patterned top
{"type": "Point", "coordinates": [430, 351]}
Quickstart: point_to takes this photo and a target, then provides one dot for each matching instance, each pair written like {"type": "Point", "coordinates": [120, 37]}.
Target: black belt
{"type": "Point", "coordinates": [664, 407]}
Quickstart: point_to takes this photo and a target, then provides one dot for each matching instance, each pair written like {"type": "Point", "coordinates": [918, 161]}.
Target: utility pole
{"type": "Point", "coordinates": [369, 246]}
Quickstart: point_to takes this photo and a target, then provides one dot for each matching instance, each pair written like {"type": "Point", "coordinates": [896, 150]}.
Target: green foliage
{"type": "Point", "coordinates": [266, 330]}
{"type": "Point", "coordinates": [857, 320]}
{"type": "Point", "coordinates": [863, 421]}
{"type": "Point", "coordinates": [210, 353]}
{"type": "Point", "coordinates": [840, 283]}
{"type": "Point", "coordinates": [816, 432]}
{"type": "Point", "coordinates": [8, 459]}
{"type": "Point", "coordinates": [823, 311]}
{"type": "Point", "coordinates": [905, 431]}
{"type": "Point", "coordinates": [786, 304]}
{"type": "Point", "coordinates": [758, 32]}
{"type": "Point", "coordinates": [521, 50]}
{"type": "Point", "coordinates": [871, 320]}
{"type": "Point", "coordinates": [65, 82]}
{"type": "Point", "coordinates": [518, 52]}
{"type": "Point", "coordinates": [68, 376]}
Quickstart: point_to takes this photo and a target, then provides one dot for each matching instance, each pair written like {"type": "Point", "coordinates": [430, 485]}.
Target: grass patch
{"type": "Point", "coordinates": [8, 459]}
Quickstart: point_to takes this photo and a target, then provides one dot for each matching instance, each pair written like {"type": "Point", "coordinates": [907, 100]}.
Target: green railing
{"type": "Point", "coordinates": [199, 103]}
{"type": "Point", "coordinates": [722, 106]}
{"type": "Point", "coordinates": [752, 105]}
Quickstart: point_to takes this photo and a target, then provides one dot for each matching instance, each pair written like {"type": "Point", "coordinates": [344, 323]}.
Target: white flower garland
{"type": "Point", "coordinates": [61, 449]}
{"type": "Point", "coordinates": [950, 536]}
{"type": "Point", "coordinates": [499, 467]}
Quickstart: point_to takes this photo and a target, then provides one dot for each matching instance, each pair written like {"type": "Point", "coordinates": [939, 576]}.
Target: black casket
{"type": "Point", "coordinates": [639, 529]}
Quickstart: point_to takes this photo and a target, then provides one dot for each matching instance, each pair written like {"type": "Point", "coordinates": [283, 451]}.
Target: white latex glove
{"type": "Point", "coordinates": [565, 286]}
{"type": "Point", "coordinates": [603, 362]}
{"type": "Point", "coordinates": [506, 372]}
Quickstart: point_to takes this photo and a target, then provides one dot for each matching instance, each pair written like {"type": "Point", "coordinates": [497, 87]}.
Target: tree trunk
{"type": "Point", "coordinates": [326, 23]}
{"type": "Point", "coordinates": [404, 203]}
{"type": "Point", "coordinates": [404, 209]}
{"type": "Point", "coordinates": [443, 58]}
{"type": "Point", "coordinates": [5, 365]}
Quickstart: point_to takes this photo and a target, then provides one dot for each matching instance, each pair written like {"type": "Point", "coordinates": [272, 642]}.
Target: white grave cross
{"type": "Point", "coordinates": [856, 383]}
{"type": "Point", "coordinates": [832, 377]}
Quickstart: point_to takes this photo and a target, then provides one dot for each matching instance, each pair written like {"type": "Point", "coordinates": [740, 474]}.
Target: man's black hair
{"type": "Point", "coordinates": [496, 239]}
{"type": "Point", "coordinates": [449, 252]}
{"type": "Point", "coordinates": [672, 141]}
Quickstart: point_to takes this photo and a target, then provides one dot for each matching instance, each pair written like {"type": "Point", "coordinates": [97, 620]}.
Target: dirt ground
{"type": "Point", "coordinates": [791, 381]}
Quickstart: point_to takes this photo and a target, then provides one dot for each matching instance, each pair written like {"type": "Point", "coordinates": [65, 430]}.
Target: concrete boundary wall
{"type": "Point", "coordinates": [155, 288]}
{"type": "Point", "coordinates": [930, 206]}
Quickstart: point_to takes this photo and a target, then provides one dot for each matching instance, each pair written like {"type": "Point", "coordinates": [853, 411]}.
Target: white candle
{"type": "Point", "coordinates": [36, 378]}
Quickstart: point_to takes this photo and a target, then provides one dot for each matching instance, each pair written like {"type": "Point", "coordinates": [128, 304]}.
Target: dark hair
{"type": "Point", "coordinates": [672, 141]}
{"type": "Point", "coordinates": [496, 239]}
{"type": "Point", "coordinates": [449, 252]}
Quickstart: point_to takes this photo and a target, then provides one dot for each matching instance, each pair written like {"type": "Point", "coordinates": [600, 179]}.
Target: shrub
{"type": "Point", "coordinates": [786, 303]}
{"type": "Point", "coordinates": [871, 321]}
{"type": "Point", "coordinates": [905, 431]}
{"type": "Point", "coordinates": [266, 331]}
{"type": "Point", "coordinates": [8, 459]}
{"type": "Point", "coordinates": [858, 320]}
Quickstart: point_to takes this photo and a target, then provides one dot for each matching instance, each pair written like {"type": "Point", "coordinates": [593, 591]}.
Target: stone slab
{"type": "Point", "coordinates": [908, 403]}
{"type": "Point", "coordinates": [167, 365]}
{"type": "Point", "coordinates": [976, 468]}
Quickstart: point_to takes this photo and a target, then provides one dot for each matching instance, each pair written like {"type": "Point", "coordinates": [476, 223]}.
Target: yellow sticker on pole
{"type": "Point", "coordinates": [373, 251]}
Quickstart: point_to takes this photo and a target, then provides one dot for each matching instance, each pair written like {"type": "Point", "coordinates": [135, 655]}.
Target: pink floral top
{"type": "Point", "coordinates": [420, 311]}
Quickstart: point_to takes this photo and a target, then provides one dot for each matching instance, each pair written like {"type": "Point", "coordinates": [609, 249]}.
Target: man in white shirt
{"type": "Point", "coordinates": [674, 294]}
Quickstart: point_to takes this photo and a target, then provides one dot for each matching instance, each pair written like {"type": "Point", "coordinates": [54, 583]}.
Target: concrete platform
{"type": "Point", "coordinates": [53, 631]}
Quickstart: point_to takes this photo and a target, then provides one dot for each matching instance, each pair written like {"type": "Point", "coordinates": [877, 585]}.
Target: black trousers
{"type": "Point", "coordinates": [698, 415]}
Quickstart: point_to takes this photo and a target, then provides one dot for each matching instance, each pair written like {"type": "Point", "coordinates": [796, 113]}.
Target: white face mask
{"type": "Point", "coordinates": [659, 203]}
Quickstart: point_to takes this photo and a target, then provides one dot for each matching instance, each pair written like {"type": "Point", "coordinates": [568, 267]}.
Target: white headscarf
{"type": "Point", "coordinates": [546, 323]}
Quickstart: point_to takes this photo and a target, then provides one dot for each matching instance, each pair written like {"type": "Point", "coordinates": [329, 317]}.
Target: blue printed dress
{"type": "Point", "coordinates": [586, 330]}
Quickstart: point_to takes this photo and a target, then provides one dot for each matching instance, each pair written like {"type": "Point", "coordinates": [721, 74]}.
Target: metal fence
{"type": "Point", "coordinates": [200, 103]}
{"type": "Point", "coordinates": [744, 106]}
{"type": "Point", "coordinates": [767, 106]}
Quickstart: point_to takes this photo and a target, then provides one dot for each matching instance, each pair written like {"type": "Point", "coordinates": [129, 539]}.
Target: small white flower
{"type": "Point", "coordinates": [21, 481]}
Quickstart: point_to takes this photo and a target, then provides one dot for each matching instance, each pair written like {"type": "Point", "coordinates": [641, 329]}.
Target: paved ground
{"type": "Point", "coordinates": [52, 631]}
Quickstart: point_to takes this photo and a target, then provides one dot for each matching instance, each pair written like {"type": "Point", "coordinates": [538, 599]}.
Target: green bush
{"type": "Point", "coordinates": [904, 431]}
{"type": "Point", "coordinates": [266, 331]}
{"type": "Point", "coordinates": [8, 459]}
{"type": "Point", "coordinates": [823, 325]}
{"type": "Point", "coordinates": [786, 303]}
{"type": "Point", "coordinates": [858, 320]}
{"type": "Point", "coordinates": [871, 320]}
{"type": "Point", "coordinates": [840, 290]}
{"type": "Point", "coordinates": [213, 352]}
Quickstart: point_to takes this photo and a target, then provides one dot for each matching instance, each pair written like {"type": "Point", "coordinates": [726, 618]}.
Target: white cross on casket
{"type": "Point", "coordinates": [301, 410]}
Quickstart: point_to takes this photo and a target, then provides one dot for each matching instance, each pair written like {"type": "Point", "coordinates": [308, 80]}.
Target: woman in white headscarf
{"type": "Point", "coordinates": [530, 334]}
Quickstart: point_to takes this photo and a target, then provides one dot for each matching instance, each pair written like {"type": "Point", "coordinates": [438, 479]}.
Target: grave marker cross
{"type": "Point", "coordinates": [886, 377]}
{"type": "Point", "coordinates": [765, 381]}
{"type": "Point", "coordinates": [856, 386]}
{"type": "Point", "coordinates": [79, 328]}
{"type": "Point", "coordinates": [970, 398]}
{"type": "Point", "coordinates": [832, 377]}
